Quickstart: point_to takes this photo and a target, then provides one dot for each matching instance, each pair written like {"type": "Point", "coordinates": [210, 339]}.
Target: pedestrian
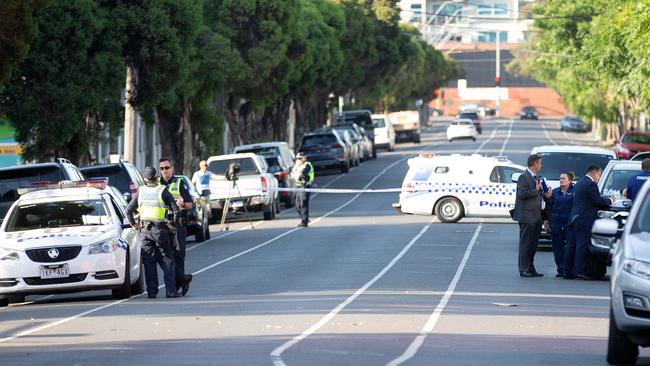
{"type": "Point", "coordinates": [635, 182]}
{"type": "Point", "coordinates": [560, 204]}
{"type": "Point", "coordinates": [201, 178]}
{"type": "Point", "coordinates": [586, 202]}
{"type": "Point", "coordinates": [528, 213]}
{"type": "Point", "coordinates": [179, 190]}
{"type": "Point", "coordinates": [153, 203]}
{"type": "Point", "coordinates": [303, 173]}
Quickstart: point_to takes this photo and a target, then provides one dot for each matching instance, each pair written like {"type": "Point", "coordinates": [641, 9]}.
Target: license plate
{"type": "Point", "coordinates": [59, 272]}
{"type": "Point", "coordinates": [237, 204]}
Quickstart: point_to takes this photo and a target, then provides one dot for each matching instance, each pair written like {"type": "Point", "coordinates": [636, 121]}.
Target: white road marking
{"type": "Point", "coordinates": [433, 319]}
{"type": "Point", "coordinates": [505, 142]}
{"type": "Point", "coordinates": [276, 354]}
{"type": "Point", "coordinates": [68, 319]}
{"type": "Point", "coordinates": [494, 132]}
{"type": "Point", "coordinates": [547, 135]}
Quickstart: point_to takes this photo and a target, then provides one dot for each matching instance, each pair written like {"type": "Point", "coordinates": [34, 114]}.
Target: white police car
{"type": "Point", "coordinates": [456, 186]}
{"type": "Point", "coordinates": [65, 238]}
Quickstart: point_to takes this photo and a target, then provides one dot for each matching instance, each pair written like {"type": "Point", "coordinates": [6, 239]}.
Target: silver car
{"type": "Point", "coordinates": [629, 324]}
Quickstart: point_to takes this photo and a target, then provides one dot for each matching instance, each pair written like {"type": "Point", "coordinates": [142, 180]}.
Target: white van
{"type": "Point", "coordinates": [456, 186]}
{"type": "Point", "coordinates": [557, 159]}
{"type": "Point", "coordinates": [384, 132]}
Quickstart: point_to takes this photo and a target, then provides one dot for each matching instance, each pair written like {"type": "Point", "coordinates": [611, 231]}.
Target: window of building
{"type": "Point", "coordinates": [493, 9]}
{"type": "Point", "coordinates": [416, 12]}
{"type": "Point", "coordinates": [492, 36]}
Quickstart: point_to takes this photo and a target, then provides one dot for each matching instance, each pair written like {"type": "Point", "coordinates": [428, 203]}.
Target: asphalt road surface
{"type": "Point", "coordinates": [363, 285]}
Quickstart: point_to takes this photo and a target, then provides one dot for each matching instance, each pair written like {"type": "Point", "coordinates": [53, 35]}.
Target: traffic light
{"type": "Point", "coordinates": [497, 81]}
{"type": "Point", "coordinates": [436, 94]}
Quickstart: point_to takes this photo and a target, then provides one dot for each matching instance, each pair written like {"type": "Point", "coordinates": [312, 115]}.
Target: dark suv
{"type": "Point", "coordinates": [325, 149]}
{"type": "Point", "coordinates": [14, 177]}
{"type": "Point", "coordinates": [362, 118]}
{"type": "Point", "coordinates": [123, 176]}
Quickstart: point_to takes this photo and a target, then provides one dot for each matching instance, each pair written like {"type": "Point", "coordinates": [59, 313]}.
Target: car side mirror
{"type": "Point", "coordinates": [127, 196]}
{"type": "Point", "coordinates": [126, 226]}
{"type": "Point", "coordinates": [515, 177]}
{"type": "Point", "coordinates": [606, 228]}
{"type": "Point", "coordinates": [205, 193]}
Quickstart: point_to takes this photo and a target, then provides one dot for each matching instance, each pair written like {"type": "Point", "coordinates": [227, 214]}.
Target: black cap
{"type": "Point", "coordinates": [149, 173]}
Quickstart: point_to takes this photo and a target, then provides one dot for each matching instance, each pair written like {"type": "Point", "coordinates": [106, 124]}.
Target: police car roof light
{"type": "Point", "coordinates": [99, 183]}
{"type": "Point", "coordinates": [427, 155]}
{"type": "Point", "coordinates": [501, 158]}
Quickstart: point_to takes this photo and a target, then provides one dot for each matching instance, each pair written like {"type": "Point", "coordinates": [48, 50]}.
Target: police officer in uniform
{"type": "Point", "coordinates": [636, 181]}
{"type": "Point", "coordinates": [153, 203]}
{"type": "Point", "coordinates": [177, 187]}
{"type": "Point", "coordinates": [303, 174]}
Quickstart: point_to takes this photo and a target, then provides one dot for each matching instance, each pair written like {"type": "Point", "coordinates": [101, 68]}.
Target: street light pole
{"type": "Point", "coordinates": [497, 78]}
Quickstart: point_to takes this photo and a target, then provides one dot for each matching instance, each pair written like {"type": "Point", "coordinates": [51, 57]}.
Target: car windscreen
{"type": "Point", "coordinates": [637, 139]}
{"type": "Point", "coordinates": [556, 163]}
{"type": "Point", "coordinates": [617, 180]}
{"type": "Point", "coordinates": [12, 179]}
{"type": "Point", "coordinates": [379, 122]}
{"type": "Point", "coordinates": [641, 222]}
{"type": "Point", "coordinates": [353, 134]}
{"type": "Point", "coordinates": [318, 140]}
{"type": "Point", "coordinates": [529, 109]}
{"type": "Point", "coordinates": [58, 214]}
{"type": "Point", "coordinates": [471, 115]}
{"type": "Point", "coordinates": [246, 166]}
{"type": "Point", "coordinates": [274, 164]}
{"type": "Point", "coordinates": [263, 151]}
{"type": "Point", "coordinates": [116, 176]}
{"type": "Point", "coordinates": [362, 120]}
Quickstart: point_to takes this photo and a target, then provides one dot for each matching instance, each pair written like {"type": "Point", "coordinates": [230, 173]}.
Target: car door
{"type": "Point", "coordinates": [130, 237]}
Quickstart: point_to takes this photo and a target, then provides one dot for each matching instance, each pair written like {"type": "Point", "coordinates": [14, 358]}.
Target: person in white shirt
{"type": "Point", "coordinates": [201, 178]}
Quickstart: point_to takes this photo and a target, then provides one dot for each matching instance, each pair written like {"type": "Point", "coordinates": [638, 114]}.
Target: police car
{"type": "Point", "coordinates": [68, 237]}
{"type": "Point", "coordinates": [456, 186]}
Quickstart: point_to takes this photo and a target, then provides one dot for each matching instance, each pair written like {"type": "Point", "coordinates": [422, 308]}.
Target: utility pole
{"type": "Point", "coordinates": [129, 116]}
{"type": "Point", "coordinates": [497, 78]}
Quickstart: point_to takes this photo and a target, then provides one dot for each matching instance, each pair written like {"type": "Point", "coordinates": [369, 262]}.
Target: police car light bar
{"type": "Point", "coordinates": [99, 183]}
{"type": "Point", "coordinates": [427, 155]}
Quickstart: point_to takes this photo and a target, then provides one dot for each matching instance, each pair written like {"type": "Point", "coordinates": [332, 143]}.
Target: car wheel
{"type": "Point", "coordinates": [214, 217]}
{"type": "Point", "coordinates": [16, 299]}
{"type": "Point", "coordinates": [199, 234]}
{"type": "Point", "coordinates": [620, 350]}
{"type": "Point", "coordinates": [138, 287]}
{"type": "Point", "coordinates": [450, 140]}
{"type": "Point", "coordinates": [4, 302]}
{"type": "Point", "coordinates": [124, 292]}
{"type": "Point", "coordinates": [278, 209]}
{"type": "Point", "coordinates": [594, 266]}
{"type": "Point", "coordinates": [473, 138]}
{"type": "Point", "coordinates": [449, 209]}
{"type": "Point", "coordinates": [374, 151]}
{"type": "Point", "coordinates": [288, 203]}
{"type": "Point", "coordinates": [268, 211]}
{"type": "Point", "coordinates": [345, 167]}
{"type": "Point", "coordinates": [416, 138]}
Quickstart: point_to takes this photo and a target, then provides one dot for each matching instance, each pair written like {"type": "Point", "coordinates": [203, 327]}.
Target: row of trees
{"type": "Point", "coordinates": [595, 54]}
{"type": "Point", "coordinates": [196, 60]}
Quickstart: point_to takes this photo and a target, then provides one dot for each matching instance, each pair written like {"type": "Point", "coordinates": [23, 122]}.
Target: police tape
{"type": "Point", "coordinates": [424, 187]}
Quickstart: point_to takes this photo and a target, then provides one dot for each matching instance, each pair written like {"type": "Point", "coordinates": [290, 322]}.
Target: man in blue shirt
{"type": "Point", "coordinates": [636, 182]}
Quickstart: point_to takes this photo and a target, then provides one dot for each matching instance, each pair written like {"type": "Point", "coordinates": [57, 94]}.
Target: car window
{"type": "Point", "coordinates": [379, 122]}
{"type": "Point", "coordinates": [494, 176]}
{"type": "Point", "coordinates": [468, 115]}
{"type": "Point", "coordinates": [274, 165]}
{"type": "Point", "coordinates": [506, 173]}
{"type": "Point", "coordinates": [12, 179]}
{"type": "Point", "coordinates": [246, 166]}
{"type": "Point", "coordinates": [118, 211]}
{"type": "Point", "coordinates": [116, 176]}
{"type": "Point", "coordinates": [263, 151]}
{"type": "Point", "coordinates": [58, 214]}
{"type": "Point", "coordinates": [642, 220]}
{"type": "Point", "coordinates": [617, 180]}
{"type": "Point", "coordinates": [637, 139]}
{"type": "Point", "coordinates": [556, 163]}
{"type": "Point", "coordinates": [640, 157]}
{"type": "Point", "coordinates": [318, 140]}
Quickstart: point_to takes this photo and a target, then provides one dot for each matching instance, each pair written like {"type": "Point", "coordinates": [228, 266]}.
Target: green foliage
{"type": "Point", "coordinates": [16, 31]}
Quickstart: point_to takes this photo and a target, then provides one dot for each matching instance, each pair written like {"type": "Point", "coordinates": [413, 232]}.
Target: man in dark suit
{"type": "Point", "coordinates": [586, 202]}
{"type": "Point", "coordinates": [528, 213]}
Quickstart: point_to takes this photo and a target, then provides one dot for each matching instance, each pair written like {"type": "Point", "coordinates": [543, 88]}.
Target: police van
{"type": "Point", "coordinates": [456, 186]}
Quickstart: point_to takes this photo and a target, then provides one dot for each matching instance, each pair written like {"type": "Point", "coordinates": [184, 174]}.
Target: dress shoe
{"type": "Point", "coordinates": [172, 295]}
{"type": "Point", "coordinates": [151, 296]}
{"type": "Point", "coordinates": [537, 274]}
{"type": "Point", "coordinates": [303, 225]}
{"type": "Point", "coordinates": [559, 274]}
{"type": "Point", "coordinates": [582, 277]}
{"type": "Point", "coordinates": [186, 285]}
{"type": "Point", "coordinates": [526, 274]}
{"type": "Point", "coordinates": [569, 276]}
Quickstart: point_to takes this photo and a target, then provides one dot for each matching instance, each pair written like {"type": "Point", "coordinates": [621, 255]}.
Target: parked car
{"type": "Point", "coordinates": [461, 129]}
{"type": "Point", "coordinates": [474, 117]}
{"type": "Point", "coordinates": [632, 143]}
{"type": "Point", "coordinates": [407, 125]}
{"type": "Point", "coordinates": [479, 108]}
{"type": "Point", "coordinates": [353, 140]}
{"type": "Point", "coordinates": [123, 176]}
{"type": "Point", "coordinates": [280, 159]}
{"type": "Point", "coordinates": [363, 118]}
{"type": "Point", "coordinates": [253, 190]}
{"type": "Point", "coordinates": [14, 177]}
{"type": "Point", "coordinates": [360, 137]}
{"type": "Point", "coordinates": [285, 180]}
{"type": "Point", "coordinates": [198, 218]}
{"type": "Point", "coordinates": [573, 124]}
{"type": "Point", "coordinates": [629, 315]}
{"type": "Point", "coordinates": [325, 149]}
{"type": "Point", "coordinates": [640, 156]}
{"type": "Point", "coordinates": [528, 112]}
{"type": "Point", "coordinates": [384, 132]}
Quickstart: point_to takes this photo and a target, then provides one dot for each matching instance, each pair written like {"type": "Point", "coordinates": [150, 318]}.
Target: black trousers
{"type": "Point", "coordinates": [577, 247]}
{"type": "Point", "coordinates": [157, 249]}
{"type": "Point", "coordinates": [180, 242]}
{"type": "Point", "coordinates": [528, 237]}
{"type": "Point", "coordinates": [302, 206]}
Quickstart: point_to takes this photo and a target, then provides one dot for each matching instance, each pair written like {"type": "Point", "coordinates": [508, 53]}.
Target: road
{"type": "Point", "coordinates": [363, 285]}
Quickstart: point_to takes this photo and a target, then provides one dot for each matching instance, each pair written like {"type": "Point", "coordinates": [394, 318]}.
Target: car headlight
{"type": "Point", "coordinates": [602, 243]}
{"type": "Point", "coordinates": [637, 268]}
{"type": "Point", "coordinates": [108, 246]}
{"type": "Point", "coordinates": [602, 214]}
{"type": "Point", "coordinates": [8, 254]}
{"type": "Point", "coordinates": [623, 149]}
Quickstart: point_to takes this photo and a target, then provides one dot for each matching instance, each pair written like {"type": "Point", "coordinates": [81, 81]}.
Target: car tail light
{"type": "Point", "coordinates": [265, 184]}
{"type": "Point", "coordinates": [336, 146]}
{"type": "Point", "coordinates": [99, 183]}
{"type": "Point", "coordinates": [408, 187]}
{"type": "Point", "coordinates": [133, 188]}
{"type": "Point", "coordinates": [282, 175]}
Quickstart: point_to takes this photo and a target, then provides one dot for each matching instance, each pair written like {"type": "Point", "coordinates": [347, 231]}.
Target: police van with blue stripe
{"type": "Point", "coordinates": [456, 186]}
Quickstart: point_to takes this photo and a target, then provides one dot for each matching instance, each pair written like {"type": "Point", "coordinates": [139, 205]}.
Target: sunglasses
{"type": "Point", "coordinates": [165, 167]}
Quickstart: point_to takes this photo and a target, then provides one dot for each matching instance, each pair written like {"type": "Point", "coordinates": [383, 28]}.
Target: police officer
{"type": "Point", "coordinates": [177, 187]}
{"type": "Point", "coordinates": [303, 174]}
{"type": "Point", "coordinates": [153, 203]}
{"type": "Point", "coordinates": [636, 182]}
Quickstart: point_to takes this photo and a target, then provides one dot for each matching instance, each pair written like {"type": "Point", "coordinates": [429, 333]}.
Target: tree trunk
{"type": "Point", "coordinates": [186, 158]}
{"type": "Point", "coordinates": [168, 136]}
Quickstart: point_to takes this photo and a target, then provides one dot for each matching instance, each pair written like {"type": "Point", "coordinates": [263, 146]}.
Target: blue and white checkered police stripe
{"type": "Point", "coordinates": [462, 188]}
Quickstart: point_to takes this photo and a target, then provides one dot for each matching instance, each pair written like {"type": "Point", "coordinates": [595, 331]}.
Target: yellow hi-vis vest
{"type": "Point", "coordinates": [311, 172]}
{"type": "Point", "coordinates": [150, 203]}
{"type": "Point", "coordinates": [174, 187]}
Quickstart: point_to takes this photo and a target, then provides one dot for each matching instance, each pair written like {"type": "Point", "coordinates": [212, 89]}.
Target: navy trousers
{"type": "Point", "coordinates": [579, 235]}
{"type": "Point", "coordinates": [559, 240]}
{"type": "Point", "coordinates": [302, 206]}
{"type": "Point", "coordinates": [180, 242]}
{"type": "Point", "coordinates": [157, 249]}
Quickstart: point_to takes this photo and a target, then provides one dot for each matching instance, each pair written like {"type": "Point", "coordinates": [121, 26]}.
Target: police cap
{"type": "Point", "coordinates": [149, 173]}
{"type": "Point", "coordinates": [300, 155]}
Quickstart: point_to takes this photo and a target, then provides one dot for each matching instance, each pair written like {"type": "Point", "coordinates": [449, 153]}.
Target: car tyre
{"type": "Point", "coordinates": [449, 209]}
{"type": "Point", "coordinates": [268, 211]}
{"type": "Point", "coordinates": [289, 202]}
{"type": "Point", "coordinates": [473, 138]}
{"type": "Point", "coordinates": [16, 299]}
{"type": "Point", "coordinates": [138, 287]}
{"type": "Point", "coordinates": [416, 138]}
{"type": "Point", "coordinates": [620, 349]}
{"type": "Point", "coordinates": [595, 267]}
{"type": "Point", "coordinates": [199, 235]}
{"type": "Point", "coordinates": [124, 292]}
{"type": "Point", "coordinates": [4, 302]}
{"type": "Point", "coordinates": [374, 151]}
{"type": "Point", "coordinates": [345, 167]}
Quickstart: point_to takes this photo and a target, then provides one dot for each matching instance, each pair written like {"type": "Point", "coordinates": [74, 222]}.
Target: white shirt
{"type": "Point", "coordinates": [202, 180]}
